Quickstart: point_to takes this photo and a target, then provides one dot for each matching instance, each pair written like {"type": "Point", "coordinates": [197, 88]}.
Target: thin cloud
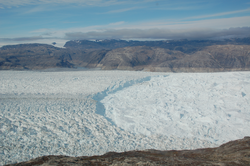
{"type": "Point", "coordinates": [121, 10]}
{"type": "Point", "coordinates": [187, 5]}
{"type": "Point", "coordinates": [17, 3]}
{"type": "Point", "coordinates": [220, 14]}
{"type": "Point", "coordinates": [70, 22]}
{"type": "Point", "coordinates": [48, 34]}
{"type": "Point", "coordinates": [117, 23]}
{"type": "Point", "coordinates": [177, 8]}
{"type": "Point", "coordinates": [37, 9]}
{"type": "Point", "coordinates": [180, 5]}
{"type": "Point", "coordinates": [41, 30]}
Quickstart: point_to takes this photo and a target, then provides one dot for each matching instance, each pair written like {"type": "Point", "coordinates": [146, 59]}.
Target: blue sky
{"type": "Point", "coordinates": [47, 21]}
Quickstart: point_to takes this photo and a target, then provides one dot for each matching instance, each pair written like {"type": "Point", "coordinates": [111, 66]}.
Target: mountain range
{"type": "Point", "coordinates": [167, 56]}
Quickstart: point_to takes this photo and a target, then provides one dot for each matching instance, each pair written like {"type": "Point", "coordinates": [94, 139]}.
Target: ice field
{"type": "Point", "coordinates": [79, 113]}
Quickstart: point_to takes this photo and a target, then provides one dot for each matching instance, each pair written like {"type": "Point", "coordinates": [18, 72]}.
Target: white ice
{"type": "Point", "coordinates": [80, 113]}
{"type": "Point", "coordinates": [211, 106]}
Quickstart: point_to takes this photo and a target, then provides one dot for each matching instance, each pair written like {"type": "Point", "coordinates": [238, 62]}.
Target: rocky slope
{"type": "Point", "coordinates": [211, 58]}
{"type": "Point", "coordinates": [230, 154]}
{"type": "Point", "coordinates": [42, 56]}
{"type": "Point", "coordinates": [168, 56]}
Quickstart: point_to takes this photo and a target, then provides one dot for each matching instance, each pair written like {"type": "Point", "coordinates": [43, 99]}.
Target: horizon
{"type": "Point", "coordinates": [101, 40]}
{"type": "Point", "coordinates": [97, 40]}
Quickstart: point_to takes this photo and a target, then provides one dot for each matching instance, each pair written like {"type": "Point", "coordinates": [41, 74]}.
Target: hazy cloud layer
{"type": "Point", "coordinates": [33, 38]}
{"type": "Point", "coordinates": [145, 34]}
{"type": "Point", "coordinates": [202, 29]}
{"type": "Point", "coordinates": [161, 34]}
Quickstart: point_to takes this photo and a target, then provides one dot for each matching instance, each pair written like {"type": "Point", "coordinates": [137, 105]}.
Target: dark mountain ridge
{"type": "Point", "coordinates": [167, 56]}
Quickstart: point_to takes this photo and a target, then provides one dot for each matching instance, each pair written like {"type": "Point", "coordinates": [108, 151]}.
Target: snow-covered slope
{"type": "Point", "coordinates": [92, 112]}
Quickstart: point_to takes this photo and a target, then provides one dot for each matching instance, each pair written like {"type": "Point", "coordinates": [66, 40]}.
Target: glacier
{"type": "Point", "coordinates": [83, 113]}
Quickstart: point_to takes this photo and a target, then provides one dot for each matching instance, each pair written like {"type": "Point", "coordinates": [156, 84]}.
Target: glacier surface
{"type": "Point", "coordinates": [79, 113]}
